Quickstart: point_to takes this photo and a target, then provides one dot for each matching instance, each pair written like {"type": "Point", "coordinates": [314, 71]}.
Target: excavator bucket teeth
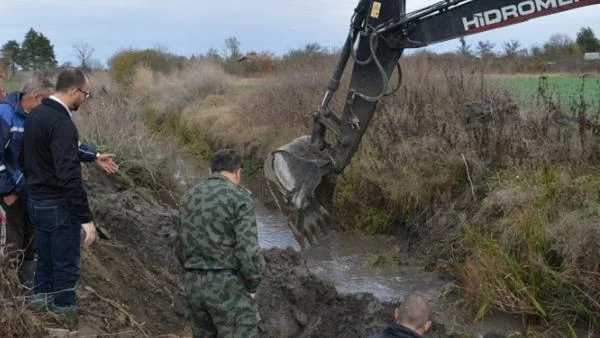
{"type": "Point", "coordinates": [302, 183]}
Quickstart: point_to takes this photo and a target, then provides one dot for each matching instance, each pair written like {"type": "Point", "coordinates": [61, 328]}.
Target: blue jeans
{"type": "Point", "coordinates": [57, 239]}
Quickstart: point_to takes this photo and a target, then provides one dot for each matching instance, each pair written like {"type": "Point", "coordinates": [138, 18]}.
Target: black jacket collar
{"type": "Point", "coordinates": [56, 105]}
{"type": "Point", "coordinates": [396, 330]}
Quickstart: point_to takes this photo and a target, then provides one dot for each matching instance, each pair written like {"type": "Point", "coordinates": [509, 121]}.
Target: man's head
{"type": "Point", "coordinates": [413, 313]}
{"type": "Point", "coordinates": [73, 87]}
{"type": "Point", "coordinates": [228, 163]}
{"type": "Point", "coordinates": [34, 91]}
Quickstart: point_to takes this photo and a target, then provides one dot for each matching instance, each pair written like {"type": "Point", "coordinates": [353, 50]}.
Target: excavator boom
{"type": "Point", "coordinates": [302, 174]}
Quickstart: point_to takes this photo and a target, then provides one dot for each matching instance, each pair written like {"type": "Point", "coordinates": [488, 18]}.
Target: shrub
{"type": "Point", "coordinates": [122, 65]}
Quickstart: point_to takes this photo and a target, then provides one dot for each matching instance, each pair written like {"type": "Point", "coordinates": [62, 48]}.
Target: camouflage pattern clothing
{"type": "Point", "coordinates": [217, 245]}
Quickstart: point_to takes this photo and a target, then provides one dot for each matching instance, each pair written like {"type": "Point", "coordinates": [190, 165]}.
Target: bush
{"type": "Point", "coordinates": [122, 65]}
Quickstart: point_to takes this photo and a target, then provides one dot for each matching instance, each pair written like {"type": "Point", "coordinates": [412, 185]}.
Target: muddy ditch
{"type": "Point", "coordinates": [130, 282]}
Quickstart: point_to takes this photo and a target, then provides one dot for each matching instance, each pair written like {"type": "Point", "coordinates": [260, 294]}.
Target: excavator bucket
{"type": "Point", "coordinates": [301, 181]}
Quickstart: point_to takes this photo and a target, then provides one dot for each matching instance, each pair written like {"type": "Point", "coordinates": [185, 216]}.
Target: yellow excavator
{"type": "Point", "coordinates": [302, 174]}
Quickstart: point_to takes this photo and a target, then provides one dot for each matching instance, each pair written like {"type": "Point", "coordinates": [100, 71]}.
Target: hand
{"type": "Point", "coordinates": [10, 199]}
{"type": "Point", "coordinates": [252, 295]}
{"type": "Point", "coordinates": [107, 163]}
{"type": "Point", "coordinates": [90, 233]}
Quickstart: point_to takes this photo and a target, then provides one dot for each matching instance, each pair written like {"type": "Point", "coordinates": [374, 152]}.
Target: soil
{"type": "Point", "coordinates": [129, 285]}
{"type": "Point", "coordinates": [130, 279]}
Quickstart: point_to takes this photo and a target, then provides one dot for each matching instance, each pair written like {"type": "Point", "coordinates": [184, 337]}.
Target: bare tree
{"type": "Point", "coordinates": [83, 52]}
{"type": "Point", "coordinates": [485, 49]}
{"type": "Point", "coordinates": [511, 48]}
{"type": "Point", "coordinates": [464, 48]}
{"type": "Point", "coordinates": [232, 44]}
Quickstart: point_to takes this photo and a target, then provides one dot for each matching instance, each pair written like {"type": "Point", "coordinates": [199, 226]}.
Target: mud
{"type": "Point", "coordinates": [294, 303]}
{"type": "Point", "coordinates": [130, 278]}
{"type": "Point", "coordinates": [130, 281]}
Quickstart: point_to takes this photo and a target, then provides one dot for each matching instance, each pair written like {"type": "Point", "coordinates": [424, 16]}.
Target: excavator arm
{"type": "Point", "coordinates": [302, 174]}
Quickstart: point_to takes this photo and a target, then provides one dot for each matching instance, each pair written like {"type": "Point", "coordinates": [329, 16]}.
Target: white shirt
{"type": "Point", "coordinates": [59, 101]}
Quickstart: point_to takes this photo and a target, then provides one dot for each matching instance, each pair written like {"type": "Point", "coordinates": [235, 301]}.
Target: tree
{"type": "Point", "coordinates": [560, 45]}
{"type": "Point", "coordinates": [95, 64]}
{"type": "Point", "coordinates": [83, 52]}
{"type": "Point", "coordinates": [233, 48]}
{"type": "Point", "coordinates": [587, 41]}
{"type": "Point", "coordinates": [36, 52]}
{"type": "Point", "coordinates": [537, 51]}
{"type": "Point", "coordinates": [511, 48]}
{"type": "Point", "coordinates": [213, 55]}
{"type": "Point", "coordinates": [485, 49]}
{"type": "Point", "coordinates": [314, 48]}
{"type": "Point", "coordinates": [310, 50]}
{"type": "Point", "coordinates": [464, 48]}
{"type": "Point", "coordinates": [11, 52]}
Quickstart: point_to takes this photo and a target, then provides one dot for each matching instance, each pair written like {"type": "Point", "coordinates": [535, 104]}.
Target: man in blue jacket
{"type": "Point", "coordinates": [19, 230]}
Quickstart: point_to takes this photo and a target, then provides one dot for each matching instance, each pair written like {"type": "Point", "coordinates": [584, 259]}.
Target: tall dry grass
{"type": "Point", "coordinates": [434, 155]}
{"type": "Point", "coordinates": [16, 320]}
{"type": "Point", "coordinates": [114, 123]}
{"type": "Point", "coordinates": [253, 114]}
{"type": "Point", "coordinates": [445, 147]}
{"type": "Point", "coordinates": [184, 105]}
{"type": "Point", "coordinates": [506, 194]}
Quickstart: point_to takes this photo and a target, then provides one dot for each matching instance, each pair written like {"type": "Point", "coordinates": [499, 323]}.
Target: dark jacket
{"type": "Point", "coordinates": [12, 122]}
{"type": "Point", "coordinates": [51, 159]}
{"type": "Point", "coordinates": [396, 331]}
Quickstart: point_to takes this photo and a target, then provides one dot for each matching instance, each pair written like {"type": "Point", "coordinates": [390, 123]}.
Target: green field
{"type": "Point", "coordinates": [564, 89]}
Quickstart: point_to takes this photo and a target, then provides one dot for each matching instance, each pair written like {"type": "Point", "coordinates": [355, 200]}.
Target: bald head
{"type": "Point", "coordinates": [413, 313]}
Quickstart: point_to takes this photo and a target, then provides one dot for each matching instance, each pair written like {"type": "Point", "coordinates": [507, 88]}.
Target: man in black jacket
{"type": "Point", "coordinates": [411, 319]}
{"type": "Point", "coordinates": [57, 202]}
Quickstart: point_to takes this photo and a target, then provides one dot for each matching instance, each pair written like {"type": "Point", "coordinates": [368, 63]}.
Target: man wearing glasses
{"type": "Point", "coordinates": [57, 204]}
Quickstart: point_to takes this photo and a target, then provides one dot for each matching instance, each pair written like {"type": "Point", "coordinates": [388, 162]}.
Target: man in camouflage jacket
{"type": "Point", "coordinates": [217, 245]}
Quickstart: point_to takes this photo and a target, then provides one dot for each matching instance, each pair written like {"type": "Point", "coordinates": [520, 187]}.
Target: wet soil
{"type": "Point", "coordinates": [130, 287]}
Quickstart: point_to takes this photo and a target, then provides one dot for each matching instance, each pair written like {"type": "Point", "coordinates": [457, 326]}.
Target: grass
{"type": "Point", "coordinates": [531, 244]}
{"type": "Point", "coordinates": [563, 88]}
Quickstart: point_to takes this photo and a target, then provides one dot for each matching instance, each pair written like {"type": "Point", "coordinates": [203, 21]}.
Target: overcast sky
{"type": "Point", "coordinates": [186, 26]}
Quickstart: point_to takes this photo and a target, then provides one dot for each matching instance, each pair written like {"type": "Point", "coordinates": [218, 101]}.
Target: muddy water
{"type": "Point", "coordinates": [345, 261]}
